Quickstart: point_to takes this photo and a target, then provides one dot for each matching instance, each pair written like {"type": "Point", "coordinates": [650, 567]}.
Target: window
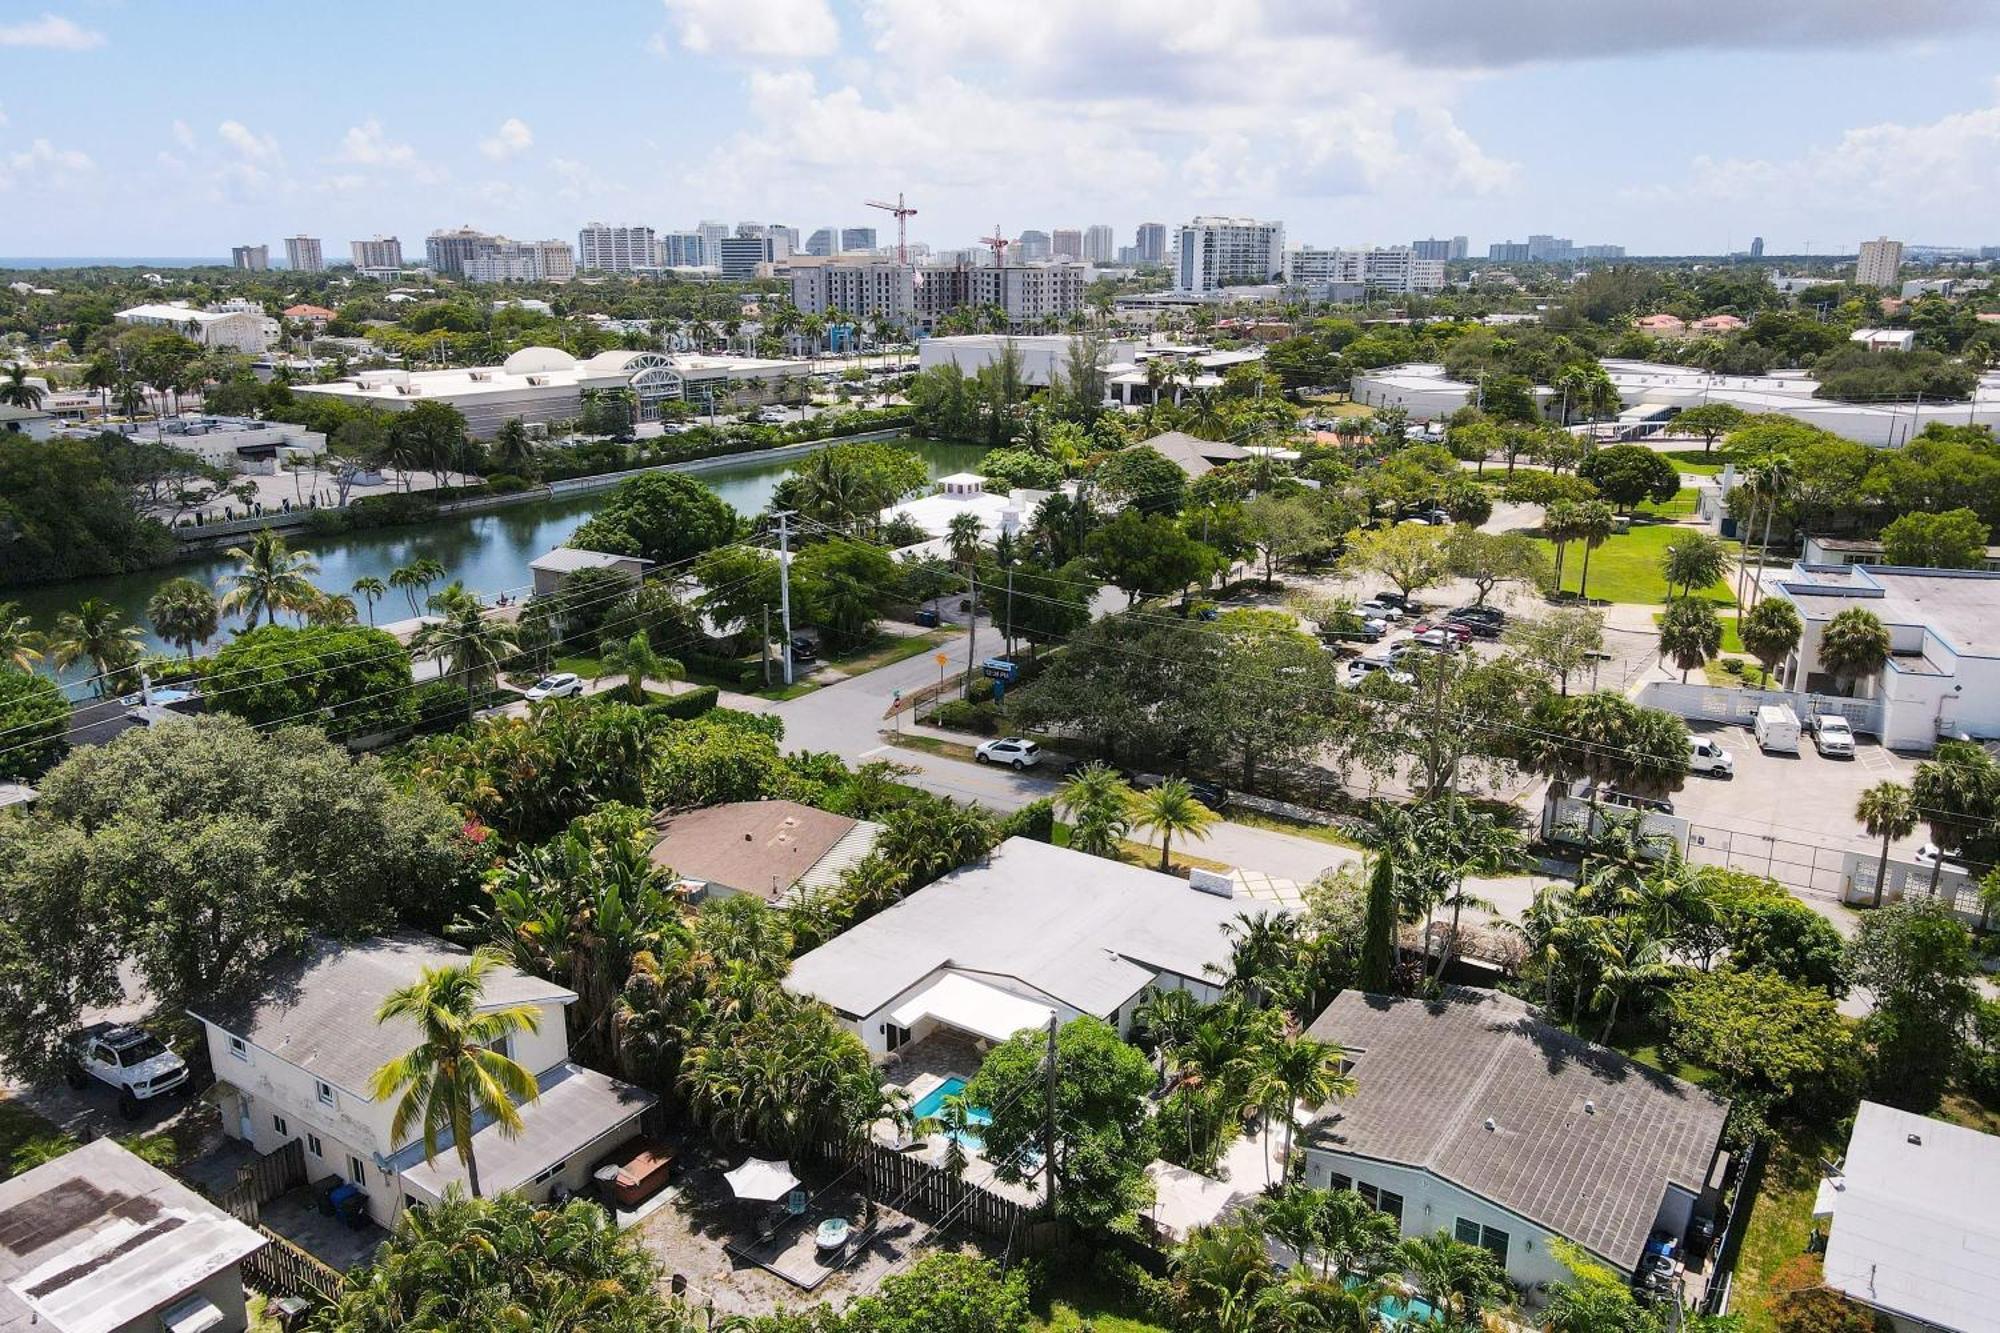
{"type": "Point", "coordinates": [1466, 1230]}
{"type": "Point", "coordinates": [551, 1173]}
{"type": "Point", "coordinates": [895, 1037]}
{"type": "Point", "coordinates": [1340, 1182]}
{"type": "Point", "coordinates": [324, 1091]}
{"type": "Point", "coordinates": [278, 1123]}
{"type": "Point", "coordinates": [314, 1146]}
{"type": "Point", "coordinates": [1495, 1240]}
{"type": "Point", "coordinates": [357, 1174]}
{"type": "Point", "coordinates": [239, 1048]}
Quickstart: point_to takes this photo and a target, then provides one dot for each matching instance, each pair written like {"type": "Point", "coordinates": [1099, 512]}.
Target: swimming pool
{"type": "Point", "coordinates": [933, 1101]}
{"type": "Point", "coordinates": [1397, 1311]}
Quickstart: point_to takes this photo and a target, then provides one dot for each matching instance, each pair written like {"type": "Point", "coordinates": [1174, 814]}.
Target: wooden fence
{"type": "Point", "coordinates": [275, 1173]}
{"type": "Point", "coordinates": [909, 1184]}
{"type": "Point", "coordinates": [282, 1269]}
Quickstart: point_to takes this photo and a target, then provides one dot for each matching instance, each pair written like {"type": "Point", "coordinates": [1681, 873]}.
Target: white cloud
{"type": "Point", "coordinates": [511, 139]}
{"type": "Point", "coordinates": [252, 146]}
{"type": "Point", "coordinates": [367, 145]}
{"type": "Point", "coordinates": [42, 163]}
{"type": "Point", "coordinates": [757, 29]}
{"type": "Point", "coordinates": [184, 135]}
{"type": "Point", "coordinates": [50, 32]}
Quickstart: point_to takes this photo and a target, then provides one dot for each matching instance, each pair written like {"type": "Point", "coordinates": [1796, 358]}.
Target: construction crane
{"type": "Point", "coordinates": [903, 214]}
{"type": "Point", "coordinates": [998, 245]}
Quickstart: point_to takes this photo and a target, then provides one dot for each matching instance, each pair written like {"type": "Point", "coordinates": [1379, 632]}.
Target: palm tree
{"type": "Point", "coordinates": [184, 613]}
{"type": "Point", "coordinates": [1854, 644]}
{"type": "Point", "coordinates": [953, 1121]}
{"type": "Point", "coordinates": [331, 609]}
{"type": "Point", "coordinates": [1099, 806]}
{"type": "Point", "coordinates": [1690, 633]}
{"type": "Point", "coordinates": [1888, 811]}
{"type": "Point", "coordinates": [20, 642]}
{"type": "Point", "coordinates": [1695, 560]}
{"type": "Point", "coordinates": [1169, 1018]}
{"type": "Point", "coordinates": [1294, 1070]}
{"type": "Point", "coordinates": [464, 640]}
{"type": "Point", "coordinates": [1591, 523]}
{"type": "Point", "coordinates": [371, 590]}
{"type": "Point", "coordinates": [1637, 956]}
{"type": "Point", "coordinates": [270, 577]}
{"type": "Point", "coordinates": [1774, 484]}
{"type": "Point", "coordinates": [1171, 808]}
{"type": "Point", "coordinates": [456, 1072]}
{"type": "Point", "coordinates": [95, 632]}
{"type": "Point", "coordinates": [1457, 1279]}
{"type": "Point", "coordinates": [16, 390]}
{"type": "Point", "coordinates": [637, 660]}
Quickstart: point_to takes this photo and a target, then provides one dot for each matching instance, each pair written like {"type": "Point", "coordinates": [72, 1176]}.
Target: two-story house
{"type": "Point", "coordinates": [294, 1058]}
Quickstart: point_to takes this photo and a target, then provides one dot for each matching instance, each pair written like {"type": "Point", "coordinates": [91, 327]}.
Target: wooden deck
{"type": "Point", "coordinates": [793, 1251]}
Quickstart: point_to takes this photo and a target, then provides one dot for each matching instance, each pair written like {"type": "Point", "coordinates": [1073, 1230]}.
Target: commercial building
{"type": "Point", "coordinates": [822, 243]}
{"type": "Point", "coordinates": [743, 257]}
{"type": "Point", "coordinates": [250, 258]}
{"type": "Point", "coordinates": [779, 851]}
{"type": "Point", "coordinates": [1913, 1217]}
{"type": "Point", "coordinates": [502, 260]}
{"type": "Point", "coordinates": [1028, 294]}
{"type": "Point", "coordinates": [544, 384]}
{"type": "Point", "coordinates": [1885, 340]}
{"type": "Point", "coordinates": [616, 249]}
{"type": "Point", "coordinates": [681, 249]}
{"type": "Point", "coordinates": [1880, 262]}
{"type": "Point", "coordinates": [1033, 246]}
{"type": "Point", "coordinates": [1043, 357]}
{"type": "Point", "coordinates": [1508, 252]}
{"type": "Point", "coordinates": [1471, 1116]}
{"type": "Point", "coordinates": [1420, 388]}
{"type": "Point", "coordinates": [303, 254]}
{"type": "Point", "coordinates": [295, 1061]}
{"type": "Point", "coordinates": [1100, 243]}
{"type": "Point", "coordinates": [1220, 252]}
{"type": "Point", "coordinates": [857, 240]}
{"type": "Point", "coordinates": [1149, 244]}
{"type": "Point", "coordinates": [381, 254]}
{"type": "Point", "coordinates": [1066, 243]}
{"type": "Point", "coordinates": [1395, 269]}
{"type": "Point", "coordinates": [878, 289]}
{"type": "Point", "coordinates": [1756, 247]}
{"type": "Point", "coordinates": [98, 1241]}
{"type": "Point", "coordinates": [711, 234]}
{"type": "Point", "coordinates": [244, 446]}
{"type": "Point", "coordinates": [1032, 932]}
{"type": "Point", "coordinates": [447, 252]}
{"type": "Point", "coordinates": [244, 331]}
{"type": "Point", "coordinates": [1790, 393]}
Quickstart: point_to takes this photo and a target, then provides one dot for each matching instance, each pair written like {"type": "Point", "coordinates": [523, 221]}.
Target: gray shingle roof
{"type": "Point", "coordinates": [1428, 1076]}
{"type": "Point", "coordinates": [577, 1107]}
{"type": "Point", "coordinates": [1083, 930]}
{"type": "Point", "coordinates": [318, 1010]}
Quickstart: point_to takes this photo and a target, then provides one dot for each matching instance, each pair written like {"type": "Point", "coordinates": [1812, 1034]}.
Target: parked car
{"type": "Point", "coordinates": [1707, 756]}
{"type": "Point", "coordinates": [803, 649]}
{"type": "Point", "coordinates": [927, 618]}
{"type": "Point", "coordinates": [1395, 599]}
{"type": "Point", "coordinates": [561, 685]}
{"type": "Point", "coordinates": [1361, 668]}
{"type": "Point", "coordinates": [1462, 634]}
{"type": "Point", "coordinates": [1482, 621]}
{"type": "Point", "coordinates": [1017, 751]}
{"type": "Point", "coordinates": [1443, 640]}
{"type": "Point", "coordinates": [1832, 736]}
{"type": "Point", "coordinates": [1658, 805]}
{"type": "Point", "coordinates": [1930, 854]}
{"type": "Point", "coordinates": [1777, 729]}
{"type": "Point", "coordinates": [1208, 793]}
{"type": "Point", "coordinates": [130, 1059]}
{"type": "Point", "coordinates": [1379, 610]}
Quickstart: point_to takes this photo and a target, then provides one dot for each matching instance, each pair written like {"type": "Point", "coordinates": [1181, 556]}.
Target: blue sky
{"type": "Point", "coordinates": [169, 127]}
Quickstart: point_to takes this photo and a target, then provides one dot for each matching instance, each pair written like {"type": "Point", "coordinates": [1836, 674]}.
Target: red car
{"type": "Point", "coordinates": [1451, 627]}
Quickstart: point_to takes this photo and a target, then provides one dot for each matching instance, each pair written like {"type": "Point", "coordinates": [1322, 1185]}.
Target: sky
{"type": "Point", "coordinates": [182, 127]}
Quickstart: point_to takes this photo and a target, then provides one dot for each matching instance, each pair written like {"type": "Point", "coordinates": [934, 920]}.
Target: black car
{"type": "Point", "coordinates": [1392, 599]}
{"type": "Point", "coordinates": [803, 649]}
{"type": "Point", "coordinates": [926, 618]}
{"type": "Point", "coordinates": [1478, 629]}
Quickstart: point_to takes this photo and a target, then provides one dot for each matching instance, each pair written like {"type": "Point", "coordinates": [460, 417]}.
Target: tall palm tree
{"type": "Point", "coordinates": [455, 1073]}
{"type": "Point", "coordinates": [1593, 523]}
{"type": "Point", "coordinates": [331, 609]}
{"type": "Point", "coordinates": [1775, 484]}
{"type": "Point", "coordinates": [1170, 809]}
{"type": "Point", "coordinates": [637, 660]}
{"type": "Point", "coordinates": [17, 390]}
{"type": "Point", "coordinates": [371, 590]}
{"type": "Point", "coordinates": [464, 640]}
{"type": "Point", "coordinates": [20, 642]}
{"type": "Point", "coordinates": [1458, 1280]}
{"type": "Point", "coordinates": [1294, 1070]}
{"type": "Point", "coordinates": [1888, 811]}
{"type": "Point", "coordinates": [1637, 956]}
{"type": "Point", "coordinates": [270, 577]}
{"type": "Point", "coordinates": [184, 613]}
{"type": "Point", "coordinates": [1099, 806]}
{"type": "Point", "coordinates": [96, 633]}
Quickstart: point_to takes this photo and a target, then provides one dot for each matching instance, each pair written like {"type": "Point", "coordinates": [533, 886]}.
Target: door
{"type": "Point", "coordinates": [244, 1124]}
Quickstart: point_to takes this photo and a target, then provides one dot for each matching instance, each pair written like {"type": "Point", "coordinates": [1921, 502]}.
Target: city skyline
{"type": "Point", "coordinates": [1458, 124]}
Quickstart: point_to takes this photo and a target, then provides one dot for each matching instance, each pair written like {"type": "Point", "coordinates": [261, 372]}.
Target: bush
{"type": "Point", "coordinates": [506, 483]}
{"type": "Point", "coordinates": [693, 703]}
{"type": "Point", "coordinates": [727, 670]}
{"type": "Point", "coordinates": [382, 511]}
{"type": "Point", "coordinates": [34, 715]}
{"type": "Point", "coordinates": [440, 705]}
{"type": "Point", "coordinates": [963, 715]}
{"type": "Point", "coordinates": [1035, 820]}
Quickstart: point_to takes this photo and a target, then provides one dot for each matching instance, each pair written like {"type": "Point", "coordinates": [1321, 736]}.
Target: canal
{"type": "Point", "coordinates": [488, 552]}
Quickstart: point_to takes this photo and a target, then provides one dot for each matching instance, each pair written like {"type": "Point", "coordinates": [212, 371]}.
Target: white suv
{"type": "Point", "coordinates": [1832, 736]}
{"type": "Point", "coordinates": [1018, 751]}
{"type": "Point", "coordinates": [561, 685]}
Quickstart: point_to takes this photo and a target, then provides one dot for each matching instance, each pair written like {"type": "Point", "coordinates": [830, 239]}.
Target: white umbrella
{"type": "Point", "coordinates": [759, 1179]}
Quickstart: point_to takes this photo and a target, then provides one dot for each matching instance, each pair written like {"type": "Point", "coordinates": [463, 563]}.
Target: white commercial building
{"type": "Point", "coordinates": [1218, 252]}
{"type": "Point", "coordinates": [1100, 243]}
{"type": "Point", "coordinates": [243, 330]}
{"type": "Point", "coordinates": [502, 260]}
{"type": "Point", "coordinates": [253, 448]}
{"type": "Point", "coordinates": [964, 493]}
{"type": "Point", "coordinates": [616, 249]}
{"type": "Point", "coordinates": [1044, 358]}
{"type": "Point", "coordinates": [1885, 340]}
{"type": "Point", "coordinates": [1790, 393]}
{"type": "Point", "coordinates": [1420, 388]}
{"type": "Point", "coordinates": [1880, 262]}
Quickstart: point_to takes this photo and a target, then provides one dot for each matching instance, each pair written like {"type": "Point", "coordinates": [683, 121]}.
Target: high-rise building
{"type": "Point", "coordinates": [382, 254]}
{"type": "Point", "coordinates": [1881, 260]}
{"type": "Point", "coordinates": [446, 252]}
{"type": "Point", "coordinates": [881, 289]}
{"type": "Point", "coordinates": [740, 256]}
{"type": "Point", "coordinates": [1459, 248]}
{"type": "Point", "coordinates": [250, 258]}
{"type": "Point", "coordinates": [1508, 252]}
{"type": "Point", "coordinates": [1433, 248]}
{"type": "Point", "coordinates": [1546, 249]}
{"type": "Point", "coordinates": [1066, 243]}
{"type": "Point", "coordinates": [1032, 245]}
{"type": "Point", "coordinates": [857, 240]}
{"type": "Point", "coordinates": [784, 240]}
{"type": "Point", "coordinates": [822, 242]}
{"type": "Point", "coordinates": [502, 260]}
{"type": "Point", "coordinates": [1597, 252]}
{"type": "Point", "coordinates": [302, 254]}
{"type": "Point", "coordinates": [711, 234]}
{"type": "Point", "coordinates": [1219, 252]}
{"type": "Point", "coordinates": [681, 249]}
{"type": "Point", "coordinates": [1151, 242]}
{"type": "Point", "coordinates": [555, 261]}
{"type": "Point", "coordinates": [616, 249]}
{"type": "Point", "coordinates": [1756, 247]}
{"type": "Point", "coordinates": [1394, 269]}
{"type": "Point", "coordinates": [1100, 243]}
{"type": "Point", "coordinates": [1025, 293]}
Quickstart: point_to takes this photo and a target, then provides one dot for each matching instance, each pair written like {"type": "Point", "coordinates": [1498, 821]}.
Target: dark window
{"type": "Point", "coordinates": [1466, 1230]}
{"type": "Point", "coordinates": [278, 1123]}
{"type": "Point", "coordinates": [1340, 1182]}
{"type": "Point", "coordinates": [1495, 1240]}
{"type": "Point", "coordinates": [1392, 1204]}
{"type": "Point", "coordinates": [1369, 1194]}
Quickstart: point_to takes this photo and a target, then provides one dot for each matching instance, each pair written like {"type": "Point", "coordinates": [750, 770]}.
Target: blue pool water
{"type": "Point", "coordinates": [1397, 1311]}
{"type": "Point", "coordinates": [933, 1101]}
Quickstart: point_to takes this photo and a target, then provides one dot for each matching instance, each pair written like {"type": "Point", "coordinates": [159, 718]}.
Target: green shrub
{"type": "Point", "coordinates": [727, 670]}
{"type": "Point", "coordinates": [34, 715]}
{"type": "Point", "coordinates": [963, 715]}
{"type": "Point", "coordinates": [1035, 820]}
{"type": "Point", "coordinates": [381, 511]}
{"type": "Point", "coordinates": [693, 703]}
{"type": "Point", "coordinates": [506, 483]}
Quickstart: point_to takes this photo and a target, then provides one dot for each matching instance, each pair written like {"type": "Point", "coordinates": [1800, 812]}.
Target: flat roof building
{"type": "Point", "coordinates": [1879, 263]}
{"type": "Point", "coordinates": [242, 330]}
{"type": "Point", "coordinates": [1219, 252]}
{"type": "Point", "coordinates": [552, 567]}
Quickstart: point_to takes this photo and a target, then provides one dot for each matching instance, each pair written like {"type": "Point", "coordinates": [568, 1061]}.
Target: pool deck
{"type": "Point", "coordinates": [793, 1251]}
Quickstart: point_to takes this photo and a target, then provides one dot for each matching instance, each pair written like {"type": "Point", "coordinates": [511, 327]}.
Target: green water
{"type": "Point", "coordinates": [489, 552]}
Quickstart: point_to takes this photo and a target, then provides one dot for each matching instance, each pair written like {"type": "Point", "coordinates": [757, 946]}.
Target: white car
{"type": "Point", "coordinates": [1018, 751]}
{"type": "Point", "coordinates": [130, 1059]}
{"type": "Point", "coordinates": [561, 685]}
{"type": "Point", "coordinates": [1930, 854]}
{"type": "Point", "coordinates": [1442, 640]}
{"type": "Point", "coordinates": [1832, 736]}
{"type": "Point", "coordinates": [1361, 668]}
{"type": "Point", "coordinates": [1379, 611]}
{"type": "Point", "coordinates": [1706, 756]}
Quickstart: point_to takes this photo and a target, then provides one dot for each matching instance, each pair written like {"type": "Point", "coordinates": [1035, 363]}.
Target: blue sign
{"type": "Point", "coordinates": [999, 668]}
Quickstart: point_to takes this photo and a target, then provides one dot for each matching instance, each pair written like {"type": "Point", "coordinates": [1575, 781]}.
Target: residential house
{"type": "Point", "coordinates": [1717, 324]}
{"type": "Point", "coordinates": [1472, 1117]}
{"type": "Point", "coordinates": [1661, 325]}
{"type": "Point", "coordinates": [551, 568]}
{"type": "Point", "coordinates": [294, 1058]}
{"type": "Point", "coordinates": [1196, 457]}
{"type": "Point", "coordinates": [774, 850]}
{"type": "Point", "coordinates": [98, 1241]}
{"type": "Point", "coordinates": [1915, 1214]}
{"type": "Point", "coordinates": [1003, 944]}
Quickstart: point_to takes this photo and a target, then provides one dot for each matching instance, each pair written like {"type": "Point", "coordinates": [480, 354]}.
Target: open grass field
{"type": "Point", "coordinates": [1627, 568]}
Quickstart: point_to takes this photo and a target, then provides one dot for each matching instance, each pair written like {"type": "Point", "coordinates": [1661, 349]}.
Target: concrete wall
{"type": "Point", "coordinates": [223, 1290]}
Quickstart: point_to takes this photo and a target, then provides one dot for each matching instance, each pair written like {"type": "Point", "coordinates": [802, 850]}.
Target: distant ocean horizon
{"type": "Point", "coordinates": [111, 261]}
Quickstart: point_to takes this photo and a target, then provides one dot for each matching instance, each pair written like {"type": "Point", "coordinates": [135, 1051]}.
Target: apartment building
{"type": "Point", "coordinates": [303, 254]}
{"type": "Point", "coordinates": [502, 260]}
{"type": "Point", "coordinates": [1066, 243]}
{"type": "Point", "coordinates": [250, 258]}
{"type": "Point", "coordinates": [681, 249]}
{"type": "Point", "coordinates": [857, 240]}
{"type": "Point", "coordinates": [381, 254]}
{"type": "Point", "coordinates": [600, 248]}
{"type": "Point", "coordinates": [1880, 263]}
{"type": "Point", "coordinates": [869, 290]}
{"type": "Point", "coordinates": [1392, 269]}
{"type": "Point", "coordinates": [1219, 252]}
{"type": "Point", "coordinates": [1100, 243]}
{"type": "Point", "coordinates": [447, 252]}
{"type": "Point", "coordinates": [1033, 246]}
{"type": "Point", "coordinates": [1149, 244]}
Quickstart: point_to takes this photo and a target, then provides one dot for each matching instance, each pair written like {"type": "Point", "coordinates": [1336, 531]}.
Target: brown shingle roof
{"type": "Point", "coordinates": [760, 847]}
{"type": "Point", "coordinates": [1429, 1076]}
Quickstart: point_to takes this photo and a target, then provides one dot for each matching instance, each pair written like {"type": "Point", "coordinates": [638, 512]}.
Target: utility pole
{"type": "Point", "coordinates": [785, 587]}
{"type": "Point", "coordinates": [1049, 1118]}
{"type": "Point", "coordinates": [766, 645]}
{"type": "Point", "coordinates": [971, 634]}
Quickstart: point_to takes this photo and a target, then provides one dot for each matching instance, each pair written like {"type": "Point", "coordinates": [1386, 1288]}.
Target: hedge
{"type": "Point", "coordinates": [691, 703]}
{"type": "Point", "coordinates": [1035, 820]}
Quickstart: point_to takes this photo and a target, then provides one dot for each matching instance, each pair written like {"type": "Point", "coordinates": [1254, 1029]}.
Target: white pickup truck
{"type": "Point", "coordinates": [130, 1059]}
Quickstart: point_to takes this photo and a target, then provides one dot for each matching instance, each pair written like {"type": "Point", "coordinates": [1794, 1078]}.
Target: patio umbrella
{"type": "Point", "coordinates": [759, 1179]}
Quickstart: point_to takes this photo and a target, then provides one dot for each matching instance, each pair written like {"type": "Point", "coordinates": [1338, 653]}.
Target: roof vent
{"type": "Point", "coordinates": [1491, 1125]}
{"type": "Point", "coordinates": [1590, 1108]}
{"type": "Point", "coordinates": [746, 837]}
{"type": "Point", "coordinates": [1914, 1140]}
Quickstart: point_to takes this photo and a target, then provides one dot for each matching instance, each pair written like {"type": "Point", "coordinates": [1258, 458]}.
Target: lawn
{"type": "Point", "coordinates": [1297, 828]}
{"type": "Point", "coordinates": [1681, 506]}
{"type": "Point", "coordinates": [1148, 854]}
{"type": "Point", "coordinates": [889, 649]}
{"type": "Point", "coordinates": [1070, 1299]}
{"type": "Point", "coordinates": [1780, 1222]}
{"type": "Point", "coordinates": [1697, 463]}
{"type": "Point", "coordinates": [1730, 642]}
{"type": "Point", "coordinates": [932, 745]}
{"type": "Point", "coordinates": [589, 668]}
{"type": "Point", "coordinates": [1627, 567]}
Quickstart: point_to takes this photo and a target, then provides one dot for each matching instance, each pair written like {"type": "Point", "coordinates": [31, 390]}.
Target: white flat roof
{"type": "Point", "coordinates": [569, 559]}
{"type": "Point", "coordinates": [971, 1006]}
{"type": "Point", "coordinates": [1916, 1220]}
{"type": "Point", "coordinates": [157, 310]}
